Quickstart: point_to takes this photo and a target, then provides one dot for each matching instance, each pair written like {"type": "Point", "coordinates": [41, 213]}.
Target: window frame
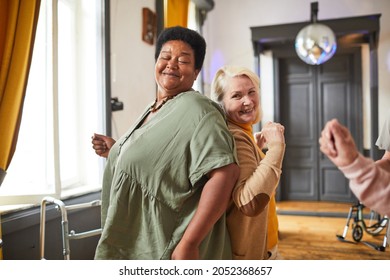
{"type": "Point", "coordinates": [13, 201]}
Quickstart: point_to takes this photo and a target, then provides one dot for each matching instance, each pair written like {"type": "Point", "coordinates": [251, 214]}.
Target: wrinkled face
{"type": "Point", "coordinates": [175, 68]}
{"type": "Point", "coordinates": [241, 100]}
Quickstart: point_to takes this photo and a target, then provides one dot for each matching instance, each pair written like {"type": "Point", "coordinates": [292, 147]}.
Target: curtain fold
{"type": "Point", "coordinates": [176, 13]}
{"type": "Point", "coordinates": [18, 22]}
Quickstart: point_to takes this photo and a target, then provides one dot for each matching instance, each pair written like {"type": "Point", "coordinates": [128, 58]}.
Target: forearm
{"type": "Point", "coordinates": [213, 202]}
{"type": "Point", "coordinates": [370, 183]}
{"type": "Point", "coordinates": [255, 188]}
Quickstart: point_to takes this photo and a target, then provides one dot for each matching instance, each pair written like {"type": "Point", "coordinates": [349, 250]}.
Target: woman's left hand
{"type": "Point", "coordinates": [273, 132]}
{"type": "Point", "coordinates": [260, 140]}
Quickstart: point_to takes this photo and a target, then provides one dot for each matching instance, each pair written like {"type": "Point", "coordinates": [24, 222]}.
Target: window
{"type": "Point", "coordinates": [64, 106]}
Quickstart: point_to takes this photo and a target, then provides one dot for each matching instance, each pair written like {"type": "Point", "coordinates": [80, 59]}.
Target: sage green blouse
{"type": "Point", "coordinates": [154, 177]}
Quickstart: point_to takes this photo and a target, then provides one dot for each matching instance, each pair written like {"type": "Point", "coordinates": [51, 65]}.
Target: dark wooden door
{"type": "Point", "coordinates": [307, 97]}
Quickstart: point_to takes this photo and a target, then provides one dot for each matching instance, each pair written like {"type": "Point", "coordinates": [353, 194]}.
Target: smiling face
{"type": "Point", "coordinates": [241, 100]}
{"type": "Point", "coordinates": [175, 68]}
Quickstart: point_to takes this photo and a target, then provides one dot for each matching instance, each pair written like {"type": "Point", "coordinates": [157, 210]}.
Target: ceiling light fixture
{"type": "Point", "coordinates": [316, 42]}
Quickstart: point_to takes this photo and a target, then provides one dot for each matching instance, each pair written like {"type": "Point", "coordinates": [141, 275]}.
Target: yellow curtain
{"type": "Point", "coordinates": [175, 12]}
{"type": "Point", "coordinates": [18, 22]}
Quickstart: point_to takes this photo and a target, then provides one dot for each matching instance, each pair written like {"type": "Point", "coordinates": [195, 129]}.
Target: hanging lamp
{"type": "Point", "coordinates": [316, 42]}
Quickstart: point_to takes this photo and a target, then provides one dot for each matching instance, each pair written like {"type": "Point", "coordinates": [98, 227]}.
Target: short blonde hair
{"type": "Point", "coordinates": [219, 83]}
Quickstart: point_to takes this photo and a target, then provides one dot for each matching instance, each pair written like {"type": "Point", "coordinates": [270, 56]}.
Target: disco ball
{"type": "Point", "coordinates": [315, 43]}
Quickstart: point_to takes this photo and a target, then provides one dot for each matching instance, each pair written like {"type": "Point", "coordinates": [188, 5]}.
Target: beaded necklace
{"type": "Point", "coordinates": [155, 108]}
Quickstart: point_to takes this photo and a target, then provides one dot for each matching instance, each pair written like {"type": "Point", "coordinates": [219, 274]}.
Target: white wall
{"type": "Point", "coordinates": [132, 62]}
{"type": "Point", "coordinates": [227, 32]}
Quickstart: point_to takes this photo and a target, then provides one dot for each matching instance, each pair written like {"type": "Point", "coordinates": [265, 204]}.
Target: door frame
{"type": "Point", "coordinates": [349, 32]}
{"type": "Point", "coordinates": [355, 121]}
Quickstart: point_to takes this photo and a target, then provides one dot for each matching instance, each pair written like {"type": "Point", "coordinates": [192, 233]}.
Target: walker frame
{"type": "Point", "coordinates": [66, 235]}
{"type": "Point", "coordinates": [359, 226]}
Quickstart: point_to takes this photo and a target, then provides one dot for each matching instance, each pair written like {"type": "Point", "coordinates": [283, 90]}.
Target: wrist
{"type": "Point", "coordinates": [189, 245]}
{"type": "Point", "coordinates": [351, 159]}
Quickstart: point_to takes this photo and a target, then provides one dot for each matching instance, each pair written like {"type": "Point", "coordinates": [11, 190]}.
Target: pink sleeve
{"type": "Point", "coordinates": [370, 184]}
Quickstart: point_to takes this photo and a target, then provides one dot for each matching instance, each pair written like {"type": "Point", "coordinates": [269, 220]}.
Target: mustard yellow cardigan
{"type": "Point", "coordinates": [247, 214]}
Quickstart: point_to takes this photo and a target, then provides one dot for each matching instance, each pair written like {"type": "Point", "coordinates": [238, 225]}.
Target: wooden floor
{"type": "Point", "coordinates": [313, 236]}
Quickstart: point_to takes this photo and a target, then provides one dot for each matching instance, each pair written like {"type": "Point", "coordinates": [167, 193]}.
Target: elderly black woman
{"type": "Point", "coordinates": [168, 180]}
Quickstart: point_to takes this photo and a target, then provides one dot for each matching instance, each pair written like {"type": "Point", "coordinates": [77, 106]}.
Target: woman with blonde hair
{"type": "Point", "coordinates": [251, 215]}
